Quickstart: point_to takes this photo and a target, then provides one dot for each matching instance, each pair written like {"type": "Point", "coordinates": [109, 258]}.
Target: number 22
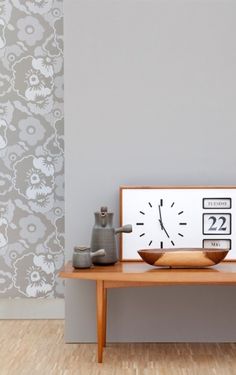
{"type": "Point", "coordinates": [214, 226]}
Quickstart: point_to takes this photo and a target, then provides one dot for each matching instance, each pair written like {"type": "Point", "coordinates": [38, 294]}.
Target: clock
{"type": "Point", "coordinates": [153, 218]}
{"type": "Point", "coordinates": [175, 217]}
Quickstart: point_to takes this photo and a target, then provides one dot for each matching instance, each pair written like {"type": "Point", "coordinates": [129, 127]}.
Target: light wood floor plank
{"type": "Point", "coordinates": [37, 347]}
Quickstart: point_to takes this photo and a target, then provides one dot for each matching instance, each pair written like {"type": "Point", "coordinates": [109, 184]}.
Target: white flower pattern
{"type": "Point", "coordinates": [5, 84]}
{"type": "Point", "coordinates": [47, 65]}
{"type": "Point", "coordinates": [6, 111]}
{"type": "Point", "coordinates": [31, 130]}
{"type": "Point", "coordinates": [31, 228]}
{"type": "Point", "coordinates": [46, 262]}
{"type": "Point", "coordinates": [30, 30]}
{"type": "Point", "coordinates": [5, 10]}
{"type": "Point", "coordinates": [5, 281]}
{"type": "Point", "coordinates": [30, 83]}
{"type": "Point", "coordinates": [35, 281]}
{"type": "Point", "coordinates": [2, 33]}
{"type": "Point", "coordinates": [3, 232]}
{"type": "Point", "coordinates": [31, 148]}
{"type": "Point", "coordinates": [33, 6]}
{"type": "Point", "coordinates": [30, 181]}
{"type": "Point", "coordinates": [3, 131]}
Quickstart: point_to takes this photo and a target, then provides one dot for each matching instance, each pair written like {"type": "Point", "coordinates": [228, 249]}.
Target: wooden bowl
{"type": "Point", "coordinates": [183, 257]}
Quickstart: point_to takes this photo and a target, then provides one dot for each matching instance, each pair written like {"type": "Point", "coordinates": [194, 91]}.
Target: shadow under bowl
{"type": "Point", "coordinates": [183, 257]}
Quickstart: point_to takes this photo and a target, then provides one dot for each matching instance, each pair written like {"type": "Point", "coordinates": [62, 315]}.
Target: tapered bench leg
{"type": "Point", "coordinates": [105, 318]}
{"type": "Point", "coordinates": [100, 318]}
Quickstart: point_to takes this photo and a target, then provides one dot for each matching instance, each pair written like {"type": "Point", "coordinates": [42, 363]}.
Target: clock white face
{"type": "Point", "coordinates": [154, 223]}
{"type": "Point", "coordinates": [177, 217]}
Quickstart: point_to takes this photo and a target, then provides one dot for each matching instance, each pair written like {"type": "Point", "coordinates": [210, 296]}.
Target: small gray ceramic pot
{"type": "Point", "coordinates": [83, 257]}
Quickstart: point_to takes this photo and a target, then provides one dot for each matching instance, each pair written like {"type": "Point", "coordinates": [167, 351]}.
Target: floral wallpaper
{"type": "Point", "coordinates": [31, 148]}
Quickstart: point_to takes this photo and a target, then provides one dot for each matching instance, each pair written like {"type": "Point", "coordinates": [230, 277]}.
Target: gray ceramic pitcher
{"type": "Point", "coordinates": [104, 236]}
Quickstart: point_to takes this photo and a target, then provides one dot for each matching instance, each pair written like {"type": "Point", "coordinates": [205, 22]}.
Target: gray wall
{"type": "Point", "coordinates": [31, 154]}
{"type": "Point", "coordinates": [150, 99]}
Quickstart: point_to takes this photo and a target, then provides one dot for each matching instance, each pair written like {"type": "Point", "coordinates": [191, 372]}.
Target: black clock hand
{"type": "Point", "coordinates": [161, 222]}
{"type": "Point", "coordinates": [163, 228]}
{"type": "Point", "coordinates": [165, 231]}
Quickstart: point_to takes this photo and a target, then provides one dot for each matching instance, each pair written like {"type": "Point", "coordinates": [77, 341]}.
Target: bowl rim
{"type": "Point", "coordinates": [183, 249]}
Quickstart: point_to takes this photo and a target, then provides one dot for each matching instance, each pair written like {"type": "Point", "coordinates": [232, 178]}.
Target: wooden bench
{"type": "Point", "coordinates": [134, 274]}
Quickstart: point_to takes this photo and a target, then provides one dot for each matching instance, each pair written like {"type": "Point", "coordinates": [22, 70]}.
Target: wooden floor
{"type": "Point", "coordinates": [37, 347]}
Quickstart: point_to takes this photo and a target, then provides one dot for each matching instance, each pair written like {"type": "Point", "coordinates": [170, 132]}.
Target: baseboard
{"type": "Point", "coordinates": [32, 308]}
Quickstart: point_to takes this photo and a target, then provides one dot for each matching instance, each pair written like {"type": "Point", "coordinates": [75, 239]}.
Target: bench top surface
{"type": "Point", "coordinates": [221, 274]}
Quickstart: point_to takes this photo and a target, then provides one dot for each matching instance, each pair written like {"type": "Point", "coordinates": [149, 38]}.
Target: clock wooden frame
{"type": "Point", "coordinates": [223, 195]}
